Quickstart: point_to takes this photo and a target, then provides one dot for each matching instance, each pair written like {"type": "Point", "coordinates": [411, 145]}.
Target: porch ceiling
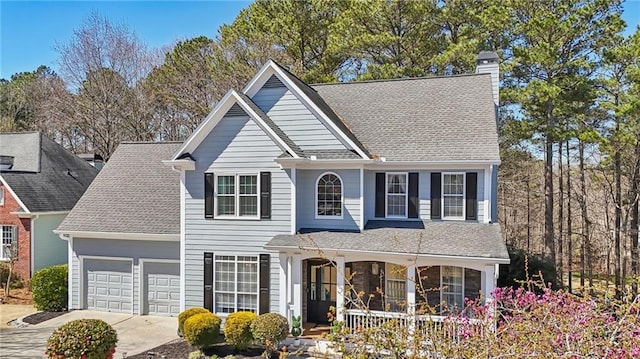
{"type": "Point", "coordinates": [437, 238]}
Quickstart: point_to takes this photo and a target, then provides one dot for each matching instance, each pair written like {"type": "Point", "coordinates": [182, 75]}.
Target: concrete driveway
{"type": "Point", "coordinates": [136, 334]}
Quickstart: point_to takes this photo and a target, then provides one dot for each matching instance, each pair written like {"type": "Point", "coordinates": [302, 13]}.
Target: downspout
{"type": "Point", "coordinates": [69, 239]}
{"type": "Point", "coordinates": [32, 244]}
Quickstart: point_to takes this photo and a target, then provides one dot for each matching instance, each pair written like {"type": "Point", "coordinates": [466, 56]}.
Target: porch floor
{"type": "Point", "coordinates": [314, 331]}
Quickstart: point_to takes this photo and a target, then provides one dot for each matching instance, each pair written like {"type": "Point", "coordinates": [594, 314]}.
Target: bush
{"type": "Point", "coordinates": [269, 329]}
{"type": "Point", "coordinates": [49, 288]}
{"type": "Point", "coordinates": [525, 265]}
{"type": "Point", "coordinates": [16, 280]}
{"type": "Point", "coordinates": [83, 338]}
{"type": "Point", "coordinates": [186, 314]}
{"type": "Point", "coordinates": [237, 329]}
{"type": "Point", "coordinates": [202, 330]}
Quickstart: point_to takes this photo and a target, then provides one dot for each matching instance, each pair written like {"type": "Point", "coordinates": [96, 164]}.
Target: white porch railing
{"type": "Point", "coordinates": [429, 326]}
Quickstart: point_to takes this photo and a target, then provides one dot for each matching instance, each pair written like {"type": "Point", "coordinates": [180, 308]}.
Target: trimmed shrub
{"type": "Point", "coordinates": [237, 329]}
{"type": "Point", "coordinates": [269, 329]}
{"type": "Point", "coordinates": [202, 330]}
{"type": "Point", "coordinates": [186, 314]}
{"type": "Point", "coordinates": [49, 288]}
{"type": "Point", "coordinates": [83, 338]}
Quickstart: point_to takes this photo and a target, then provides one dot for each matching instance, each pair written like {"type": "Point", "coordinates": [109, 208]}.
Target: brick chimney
{"type": "Point", "coordinates": [489, 63]}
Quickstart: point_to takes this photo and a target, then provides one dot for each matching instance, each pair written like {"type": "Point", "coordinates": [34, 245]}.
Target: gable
{"type": "Point", "coordinates": [294, 118]}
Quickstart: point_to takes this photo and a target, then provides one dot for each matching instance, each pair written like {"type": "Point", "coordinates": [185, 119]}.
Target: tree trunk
{"type": "Point", "coordinates": [549, 238]}
{"type": "Point", "coordinates": [635, 221]}
{"type": "Point", "coordinates": [583, 208]}
{"type": "Point", "coordinates": [618, 222]}
{"type": "Point", "coordinates": [559, 258]}
{"type": "Point", "coordinates": [569, 229]}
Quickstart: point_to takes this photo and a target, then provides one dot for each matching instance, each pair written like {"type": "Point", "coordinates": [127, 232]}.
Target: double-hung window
{"type": "Point", "coordinates": [396, 188]}
{"type": "Point", "coordinates": [396, 291]}
{"type": "Point", "coordinates": [236, 283]}
{"type": "Point", "coordinates": [237, 195]}
{"type": "Point", "coordinates": [9, 238]}
{"type": "Point", "coordinates": [452, 286]}
{"type": "Point", "coordinates": [453, 195]}
{"type": "Point", "coordinates": [329, 196]}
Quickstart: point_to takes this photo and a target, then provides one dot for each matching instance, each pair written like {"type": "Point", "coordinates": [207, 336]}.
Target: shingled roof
{"type": "Point", "coordinates": [436, 238]}
{"type": "Point", "coordinates": [134, 193]}
{"type": "Point", "coordinates": [45, 176]}
{"type": "Point", "coordinates": [450, 118]}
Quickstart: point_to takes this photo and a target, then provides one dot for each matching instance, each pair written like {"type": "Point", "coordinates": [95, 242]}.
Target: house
{"type": "Point", "coordinates": [287, 189]}
{"type": "Point", "coordinates": [289, 194]}
{"type": "Point", "coordinates": [40, 183]}
{"type": "Point", "coordinates": [123, 235]}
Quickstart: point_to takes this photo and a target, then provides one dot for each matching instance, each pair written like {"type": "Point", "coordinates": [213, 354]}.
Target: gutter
{"type": "Point", "coordinates": [65, 235]}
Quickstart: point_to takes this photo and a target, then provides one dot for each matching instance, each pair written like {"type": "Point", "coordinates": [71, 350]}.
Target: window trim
{"type": "Point", "coordinates": [236, 196]}
{"type": "Point", "coordinates": [463, 196]}
{"type": "Point", "coordinates": [318, 216]}
{"type": "Point", "coordinates": [13, 230]}
{"type": "Point", "coordinates": [1, 195]}
{"type": "Point", "coordinates": [235, 291]}
{"type": "Point", "coordinates": [442, 286]}
{"type": "Point", "coordinates": [387, 269]}
{"type": "Point", "coordinates": [406, 195]}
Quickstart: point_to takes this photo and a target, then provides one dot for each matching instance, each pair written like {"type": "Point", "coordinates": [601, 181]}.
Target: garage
{"type": "Point", "coordinates": [162, 282]}
{"type": "Point", "coordinates": [109, 285]}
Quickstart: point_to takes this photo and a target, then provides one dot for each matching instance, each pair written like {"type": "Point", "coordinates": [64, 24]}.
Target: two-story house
{"type": "Point", "coordinates": [292, 195]}
{"type": "Point", "coordinates": [40, 181]}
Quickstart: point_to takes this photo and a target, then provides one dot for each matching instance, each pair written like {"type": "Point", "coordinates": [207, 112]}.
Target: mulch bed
{"type": "Point", "coordinates": [179, 349]}
{"type": "Point", "coordinates": [40, 317]}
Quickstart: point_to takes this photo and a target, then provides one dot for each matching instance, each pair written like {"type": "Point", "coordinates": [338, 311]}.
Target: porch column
{"type": "Point", "coordinates": [297, 284]}
{"type": "Point", "coordinates": [340, 292]}
{"type": "Point", "coordinates": [488, 281]}
{"type": "Point", "coordinates": [282, 276]}
{"type": "Point", "coordinates": [411, 297]}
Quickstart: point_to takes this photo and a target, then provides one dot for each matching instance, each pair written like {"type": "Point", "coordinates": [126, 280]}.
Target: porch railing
{"type": "Point", "coordinates": [429, 326]}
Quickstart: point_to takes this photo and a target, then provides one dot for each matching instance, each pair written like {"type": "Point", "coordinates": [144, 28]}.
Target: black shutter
{"type": "Point", "coordinates": [208, 281]}
{"type": "Point", "coordinates": [209, 184]}
{"type": "Point", "coordinates": [414, 198]}
{"type": "Point", "coordinates": [265, 195]}
{"type": "Point", "coordinates": [265, 272]}
{"type": "Point", "coordinates": [472, 195]}
{"type": "Point", "coordinates": [436, 200]}
{"type": "Point", "coordinates": [380, 194]}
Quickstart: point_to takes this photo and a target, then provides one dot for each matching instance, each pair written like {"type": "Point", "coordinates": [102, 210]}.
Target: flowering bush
{"type": "Point", "coordinates": [82, 339]}
{"type": "Point", "coordinates": [186, 314]}
{"type": "Point", "coordinates": [237, 329]}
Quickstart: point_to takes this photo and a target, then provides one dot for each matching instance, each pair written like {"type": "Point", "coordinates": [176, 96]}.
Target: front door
{"type": "Point", "coordinates": [321, 293]}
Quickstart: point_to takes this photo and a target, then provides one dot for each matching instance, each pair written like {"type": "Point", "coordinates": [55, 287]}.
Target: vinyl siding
{"type": "Point", "coordinates": [424, 190]}
{"type": "Point", "coordinates": [48, 248]}
{"type": "Point", "coordinates": [119, 248]}
{"type": "Point", "coordinates": [236, 145]}
{"type": "Point", "coordinates": [306, 200]}
{"type": "Point", "coordinates": [297, 122]}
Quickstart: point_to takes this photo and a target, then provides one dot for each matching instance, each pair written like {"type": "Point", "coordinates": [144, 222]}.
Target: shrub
{"type": "Point", "coordinates": [269, 329]}
{"type": "Point", "coordinates": [186, 314]}
{"type": "Point", "coordinates": [237, 329]}
{"type": "Point", "coordinates": [49, 288]}
{"type": "Point", "coordinates": [202, 330]}
{"type": "Point", "coordinates": [525, 266]}
{"type": "Point", "coordinates": [83, 338]}
{"type": "Point", "coordinates": [16, 280]}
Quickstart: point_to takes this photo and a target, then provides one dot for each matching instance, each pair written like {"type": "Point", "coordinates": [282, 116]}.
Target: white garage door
{"type": "Point", "coordinates": [163, 288]}
{"type": "Point", "coordinates": [109, 285]}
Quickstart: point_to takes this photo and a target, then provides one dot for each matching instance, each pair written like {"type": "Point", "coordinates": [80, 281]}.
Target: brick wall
{"type": "Point", "coordinates": [23, 265]}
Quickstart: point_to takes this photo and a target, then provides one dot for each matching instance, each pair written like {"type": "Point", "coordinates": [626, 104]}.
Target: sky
{"type": "Point", "coordinates": [29, 30]}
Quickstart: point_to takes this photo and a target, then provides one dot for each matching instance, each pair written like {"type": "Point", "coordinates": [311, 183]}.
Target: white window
{"type": "Point", "coordinates": [235, 284]}
{"type": "Point", "coordinates": [237, 195]}
{"type": "Point", "coordinates": [396, 195]}
{"type": "Point", "coordinates": [9, 238]}
{"type": "Point", "coordinates": [329, 196]}
{"type": "Point", "coordinates": [396, 291]}
{"type": "Point", "coordinates": [453, 195]}
{"type": "Point", "coordinates": [452, 287]}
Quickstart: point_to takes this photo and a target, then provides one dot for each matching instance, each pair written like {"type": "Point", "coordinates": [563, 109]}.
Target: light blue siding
{"type": "Point", "coordinates": [48, 248]}
{"type": "Point", "coordinates": [424, 190]}
{"type": "Point", "coordinates": [119, 248]}
{"type": "Point", "coordinates": [306, 200]}
{"type": "Point", "coordinates": [236, 145]}
{"type": "Point", "coordinates": [297, 122]}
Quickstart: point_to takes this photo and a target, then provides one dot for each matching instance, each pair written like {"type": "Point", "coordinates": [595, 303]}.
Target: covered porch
{"type": "Point", "coordinates": [411, 271]}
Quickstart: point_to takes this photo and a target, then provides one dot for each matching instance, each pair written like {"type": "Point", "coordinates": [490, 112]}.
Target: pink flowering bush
{"type": "Point", "coordinates": [82, 339]}
{"type": "Point", "coordinates": [517, 323]}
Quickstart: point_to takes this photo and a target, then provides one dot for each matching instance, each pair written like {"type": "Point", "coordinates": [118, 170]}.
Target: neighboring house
{"type": "Point", "coordinates": [123, 235]}
{"type": "Point", "coordinates": [40, 183]}
{"type": "Point", "coordinates": [393, 181]}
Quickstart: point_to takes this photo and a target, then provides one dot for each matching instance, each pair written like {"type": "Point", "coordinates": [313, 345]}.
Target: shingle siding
{"type": "Point", "coordinates": [235, 145]}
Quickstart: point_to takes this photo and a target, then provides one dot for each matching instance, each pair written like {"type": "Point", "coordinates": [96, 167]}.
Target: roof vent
{"type": "Point", "coordinates": [6, 162]}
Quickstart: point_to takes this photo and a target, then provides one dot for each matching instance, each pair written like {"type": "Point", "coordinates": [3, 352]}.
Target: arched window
{"type": "Point", "coordinates": [329, 196]}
